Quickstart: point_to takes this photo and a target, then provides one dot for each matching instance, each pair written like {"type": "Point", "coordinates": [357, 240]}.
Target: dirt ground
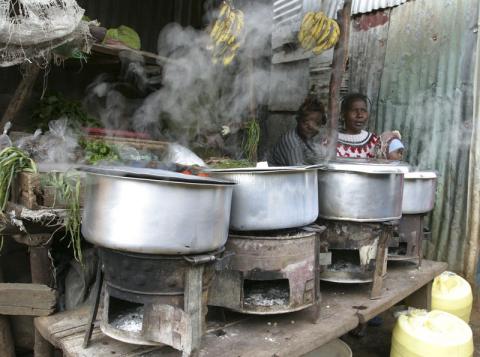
{"type": "Point", "coordinates": [376, 341]}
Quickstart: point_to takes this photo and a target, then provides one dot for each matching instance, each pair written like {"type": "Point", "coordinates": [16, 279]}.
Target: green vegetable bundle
{"type": "Point", "coordinates": [67, 188]}
{"type": "Point", "coordinates": [12, 161]}
{"type": "Point", "coordinates": [97, 151]}
{"type": "Point", "coordinates": [250, 143]}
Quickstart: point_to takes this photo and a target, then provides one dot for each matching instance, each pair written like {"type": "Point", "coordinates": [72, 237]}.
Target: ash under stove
{"type": "Point", "coordinates": [269, 273]}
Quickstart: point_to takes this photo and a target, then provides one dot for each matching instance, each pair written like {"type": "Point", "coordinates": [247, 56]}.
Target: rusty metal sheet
{"type": "Point", "coordinates": [426, 92]}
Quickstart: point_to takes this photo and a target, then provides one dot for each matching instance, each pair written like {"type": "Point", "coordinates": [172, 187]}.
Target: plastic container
{"type": "Point", "coordinates": [453, 294]}
{"type": "Point", "coordinates": [334, 348]}
{"type": "Point", "coordinates": [419, 333]}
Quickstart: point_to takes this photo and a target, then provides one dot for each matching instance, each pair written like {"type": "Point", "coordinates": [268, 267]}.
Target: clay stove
{"type": "Point", "coordinates": [406, 244]}
{"type": "Point", "coordinates": [358, 252]}
{"type": "Point", "coordinates": [269, 273]}
{"type": "Point", "coordinates": [154, 299]}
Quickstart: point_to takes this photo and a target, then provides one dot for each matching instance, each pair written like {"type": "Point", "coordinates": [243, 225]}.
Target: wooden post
{"type": "Point", "coordinates": [193, 304]}
{"type": "Point", "coordinates": [7, 346]}
{"type": "Point", "coordinates": [422, 298]}
{"type": "Point", "coordinates": [40, 267]}
{"type": "Point", "coordinates": [22, 93]}
{"type": "Point", "coordinates": [339, 62]}
{"type": "Point", "coordinates": [380, 262]}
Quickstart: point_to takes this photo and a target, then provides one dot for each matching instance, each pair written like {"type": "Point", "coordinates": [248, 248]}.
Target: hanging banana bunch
{"type": "Point", "coordinates": [318, 32]}
{"type": "Point", "coordinates": [226, 33]}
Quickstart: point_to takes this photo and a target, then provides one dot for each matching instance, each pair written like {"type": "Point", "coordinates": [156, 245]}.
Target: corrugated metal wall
{"type": "Point", "coordinates": [426, 91]}
{"type": "Point", "coordinates": [472, 263]}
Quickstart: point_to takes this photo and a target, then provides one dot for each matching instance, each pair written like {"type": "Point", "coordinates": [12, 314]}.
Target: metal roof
{"type": "Point", "coordinates": [330, 7]}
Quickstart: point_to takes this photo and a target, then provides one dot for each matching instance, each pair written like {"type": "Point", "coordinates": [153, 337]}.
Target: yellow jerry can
{"type": "Point", "coordinates": [453, 294]}
{"type": "Point", "coordinates": [419, 333]}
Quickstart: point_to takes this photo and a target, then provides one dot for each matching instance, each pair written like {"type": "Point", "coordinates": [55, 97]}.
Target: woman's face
{"type": "Point", "coordinates": [309, 125]}
{"type": "Point", "coordinates": [356, 117]}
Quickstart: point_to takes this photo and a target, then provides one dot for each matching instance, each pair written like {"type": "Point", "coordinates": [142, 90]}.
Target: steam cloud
{"type": "Point", "coordinates": [196, 97]}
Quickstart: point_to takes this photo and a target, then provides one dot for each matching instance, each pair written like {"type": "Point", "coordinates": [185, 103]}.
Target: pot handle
{"type": "Point", "coordinates": [314, 228]}
{"type": "Point", "coordinates": [200, 259]}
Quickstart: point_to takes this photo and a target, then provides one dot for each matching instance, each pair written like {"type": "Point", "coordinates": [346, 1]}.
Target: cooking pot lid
{"type": "Point", "coordinates": [421, 175]}
{"type": "Point", "coordinates": [152, 174]}
{"type": "Point", "coordinates": [268, 169]}
{"type": "Point", "coordinates": [367, 166]}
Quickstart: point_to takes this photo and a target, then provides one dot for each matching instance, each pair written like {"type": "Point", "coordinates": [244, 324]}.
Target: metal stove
{"type": "Point", "coordinates": [358, 252]}
{"type": "Point", "coordinates": [154, 299]}
{"type": "Point", "coordinates": [270, 272]}
{"type": "Point", "coordinates": [406, 244]}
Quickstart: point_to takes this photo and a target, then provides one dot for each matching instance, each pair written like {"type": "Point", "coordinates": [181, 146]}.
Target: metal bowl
{"type": "Point", "coordinates": [271, 198]}
{"type": "Point", "coordinates": [361, 190]}
{"type": "Point", "coordinates": [419, 190]}
{"type": "Point", "coordinates": [173, 215]}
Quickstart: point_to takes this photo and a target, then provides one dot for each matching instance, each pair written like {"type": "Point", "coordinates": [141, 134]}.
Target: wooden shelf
{"type": "Point", "coordinates": [343, 308]}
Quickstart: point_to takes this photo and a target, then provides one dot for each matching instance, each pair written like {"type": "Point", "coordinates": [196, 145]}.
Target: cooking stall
{"type": "Point", "coordinates": [176, 240]}
{"type": "Point", "coordinates": [263, 265]}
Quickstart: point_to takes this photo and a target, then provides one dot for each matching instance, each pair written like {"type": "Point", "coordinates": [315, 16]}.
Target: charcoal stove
{"type": "Point", "coordinates": [406, 244]}
{"type": "Point", "coordinates": [358, 252]}
{"type": "Point", "coordinates": [154, 299]}
{"type": "Point", "coordinates": [270, 272]}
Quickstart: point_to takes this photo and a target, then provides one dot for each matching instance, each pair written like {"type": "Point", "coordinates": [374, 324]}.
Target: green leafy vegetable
{"type": "Point", "coordinates": [250, 143]}
{"type": "Point", "coordinates": [124, 34]}
{"type": "Point", "coordinates": [55, 106]}
{"type": "Point", "coordinates": [67, 186]}
{"type": "Point", "coordinates": [230, 164]}
{"type": "Point", "coordinates": [12, 161]}
{"type": "Point", "coordinates": [97, 151]}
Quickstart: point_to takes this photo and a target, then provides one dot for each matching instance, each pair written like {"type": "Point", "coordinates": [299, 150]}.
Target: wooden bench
{"type": "Point", "coordinates": [343, 308]}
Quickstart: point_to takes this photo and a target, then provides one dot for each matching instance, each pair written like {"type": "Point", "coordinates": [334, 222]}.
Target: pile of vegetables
{"type": "Point", "coordinates": [97, 151]}
{"type": "Point", "coordinates": [12, 161]}
{"type": "Point", "coordinates": [230, 164]}
{"type": "Point", "coordinates": [56, 106]}
{"type": "Point", "coordinates": [67, 186]}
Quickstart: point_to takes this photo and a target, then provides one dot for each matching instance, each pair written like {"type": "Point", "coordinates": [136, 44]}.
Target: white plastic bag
{"type": "Point", "coordinates": [4, 138]}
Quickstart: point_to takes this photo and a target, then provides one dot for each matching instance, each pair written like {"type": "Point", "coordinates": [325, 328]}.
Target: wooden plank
{"type": "Point", "coordinates": [7, 348]}
{"type": "Point", "coordinates": [422, 298]}
{"type": "Point", "coordinates": [26, 299]}
{"type": "Point", "coordinates": [406, 276]}
{"type": "Point", "coordinates": [343, 306]}
{"type": "Point", "coordinates": [115, 51]}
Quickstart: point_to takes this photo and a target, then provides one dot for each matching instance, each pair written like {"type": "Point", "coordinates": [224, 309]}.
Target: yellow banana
{"type": "Point", "coordinates": [317, 30]}
{"type": "Point", "coordinates": [308, 20]}
{"type": "Point", "coordinates": [225, 33]}
{"type": "Point", "coordinates": [335, 35]}
{"type": "Point", "coordinates": [228, 57]}
{"type": "Point", "coordinates": [324, 33]}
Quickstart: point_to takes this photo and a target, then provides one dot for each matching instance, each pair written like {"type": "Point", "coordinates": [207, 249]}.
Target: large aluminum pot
{"type": "Point", "coordinates": [155, 211]}
{"type": "Point", "coordinates": [419, 192]}
{"type": "Point", "coordinates": [271, 198]}
{"type": "Point", "coordinates": [361, 190]}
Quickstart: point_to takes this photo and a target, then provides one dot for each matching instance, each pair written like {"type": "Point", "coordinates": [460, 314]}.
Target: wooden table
{"type": "Point", "coordinates": [344, 307]}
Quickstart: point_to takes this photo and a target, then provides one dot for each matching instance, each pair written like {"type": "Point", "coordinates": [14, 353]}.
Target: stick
{"type": "Point", "coordinates": [21, 95]}
{"type": "Point", "coordinates": [340, 55]}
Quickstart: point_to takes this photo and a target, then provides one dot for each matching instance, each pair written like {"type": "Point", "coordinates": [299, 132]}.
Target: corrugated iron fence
{"type": "Point", "coordinates": [416, 62]}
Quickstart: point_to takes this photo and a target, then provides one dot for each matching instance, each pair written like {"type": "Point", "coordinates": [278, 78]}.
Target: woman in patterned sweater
{"type": "Point", "coordinates": [353, 140]}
